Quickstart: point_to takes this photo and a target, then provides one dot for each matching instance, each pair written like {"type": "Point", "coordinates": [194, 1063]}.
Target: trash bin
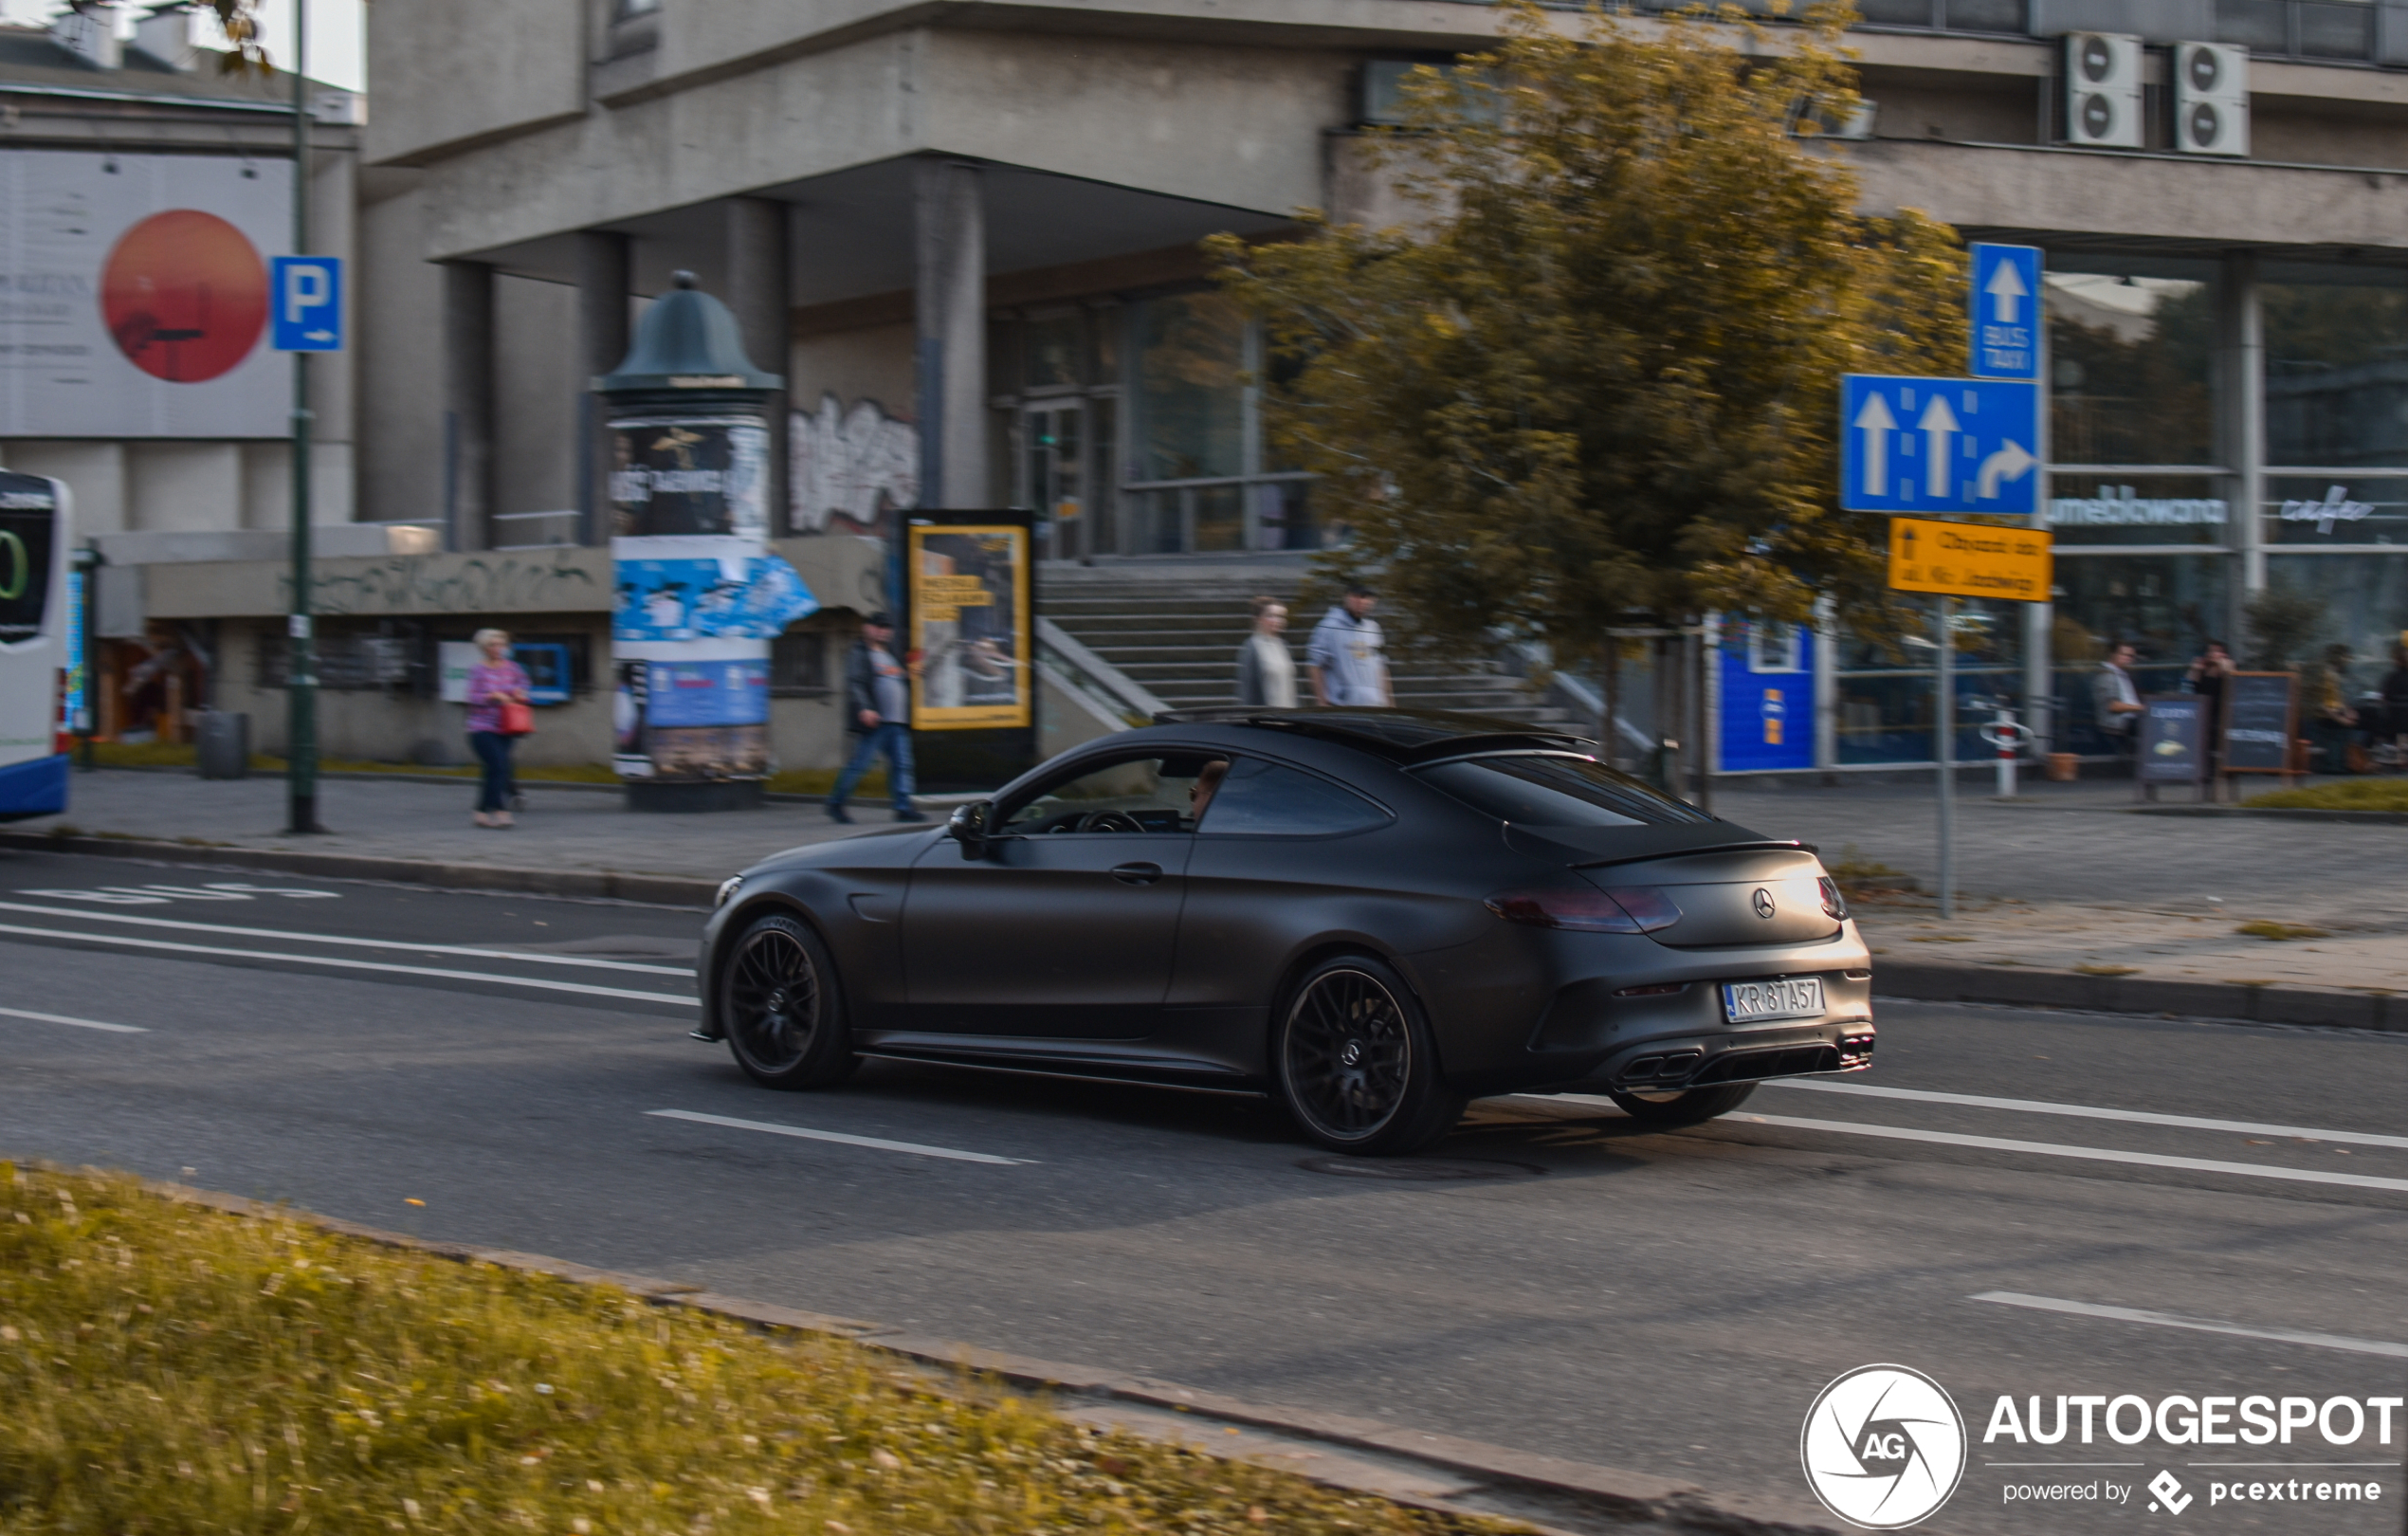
{"type": "Point", "coordinates": [224, 743]}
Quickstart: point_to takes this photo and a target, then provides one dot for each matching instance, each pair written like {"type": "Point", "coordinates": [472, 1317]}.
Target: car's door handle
{"type": "Point", "coordinates": [1137, 874]}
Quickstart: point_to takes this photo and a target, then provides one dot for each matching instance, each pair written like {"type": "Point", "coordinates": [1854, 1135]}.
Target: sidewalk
{"type": "Point", "coordinates": [2064, 881]}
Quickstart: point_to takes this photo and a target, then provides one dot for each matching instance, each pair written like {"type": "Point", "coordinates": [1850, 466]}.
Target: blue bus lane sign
{"type": "Point", "coordinates": [2006, 312]}
{"type": "Point", "coordinates": [1939, 445]}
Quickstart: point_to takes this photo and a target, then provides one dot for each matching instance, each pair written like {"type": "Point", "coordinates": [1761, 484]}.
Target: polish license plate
{"type": "Point", "coordinates": [1789, 996]}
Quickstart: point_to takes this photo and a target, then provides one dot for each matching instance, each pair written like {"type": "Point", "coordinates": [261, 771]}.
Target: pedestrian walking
{"type": "Point", "coordinates": [2117, 701]}
{"type": "Point", "coordinates": [2205, 677]}
{"type": "Point", "coordinates": [1344, 660]}
{"type": "Point", "coordinates": [497, 718]}
{"type": "Point", "coordinates": [878, 713]}
{"type": "Point", "coordinates": [1266, 670]}
{"type": "Point", "coordinates": [2391, 722]}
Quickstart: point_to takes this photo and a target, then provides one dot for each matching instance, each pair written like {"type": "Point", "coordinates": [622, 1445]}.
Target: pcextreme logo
{"type": "Point", "coordinates": [1883, 1447]}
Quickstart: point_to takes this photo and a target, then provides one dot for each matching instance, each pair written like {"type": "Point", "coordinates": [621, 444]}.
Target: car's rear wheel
{"type": "Point", "coordinates": [782, 1006]}
{"type": "Point", "coordinates": [1355, 1061]}
{"type": "Point", "coordinates": [1693, 1108]}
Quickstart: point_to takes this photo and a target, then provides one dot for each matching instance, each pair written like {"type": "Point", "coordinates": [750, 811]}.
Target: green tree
{"type": "Point", "coordinates": [1598, 381]}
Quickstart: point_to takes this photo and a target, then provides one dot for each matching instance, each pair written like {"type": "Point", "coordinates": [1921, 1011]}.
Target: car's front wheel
{"type": "Point", "coordinates": [1668, 1111]}
{"type": "Point", "coordinates": [1355, 1061]}
{"type": "Point", "coordinates": [782, 1009]}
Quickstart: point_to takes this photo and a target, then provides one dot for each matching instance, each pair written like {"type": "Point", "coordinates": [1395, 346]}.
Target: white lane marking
{"type": "Point", "coordinates": [2055, 1149]}
{"type": "Point", "coordinates": [78, 1023]}
{"type": "Point", "coordinates": [2039, 1106]}
{"type": "Point", "coordinates": [808, 1135]}
{"type": "Point", "coordinates": [585, 988]}
{"type": "Point", "coordinates": [2200, 1324]}
{"type": "Point", "coordinates": [341, 939]}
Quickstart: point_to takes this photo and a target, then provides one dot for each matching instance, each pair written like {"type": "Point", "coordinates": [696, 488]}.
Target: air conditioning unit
{"type": "Point", "coordinates": [2211, 98]}
{"type": "Point", "coordinates": [2102, 89]}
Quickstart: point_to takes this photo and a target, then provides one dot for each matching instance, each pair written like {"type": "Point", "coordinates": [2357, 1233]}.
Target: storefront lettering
{"type": "Point", "coordinates": [2335, 508]}
{"type": "Point", "coordinates": [2116, 506]}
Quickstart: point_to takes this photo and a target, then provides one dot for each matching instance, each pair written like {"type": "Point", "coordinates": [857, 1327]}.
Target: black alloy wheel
{"type": "Point", "coordinates": [780, 1006]}
{"type": "Point", "coordinates": [1666, 1111]}
{"type": "Point", "coordinates": [1356, 1065]}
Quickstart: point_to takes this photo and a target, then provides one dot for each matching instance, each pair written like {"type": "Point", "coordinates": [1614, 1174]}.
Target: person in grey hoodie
{"type": "Point", "coordinates": [1344, 659]}
{"type": "Point", "coordinates": [1266, 670]}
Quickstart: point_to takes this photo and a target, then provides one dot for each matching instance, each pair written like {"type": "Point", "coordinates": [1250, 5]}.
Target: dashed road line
{"type": "Point", "coordinates": [843, 1138]}
{"type": "Point", "coordinates": [2042, 1107]}
{"type": "Point", "coordinates": [2198, 1324]}
{"type": "Point", "coordinates": [78, 1023]}
{"type": "Point", "coordinates": [82, 916]}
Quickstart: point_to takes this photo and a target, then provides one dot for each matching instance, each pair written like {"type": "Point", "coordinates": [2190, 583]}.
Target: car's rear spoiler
{"type": "Point", "coordinates": [1592, 848]}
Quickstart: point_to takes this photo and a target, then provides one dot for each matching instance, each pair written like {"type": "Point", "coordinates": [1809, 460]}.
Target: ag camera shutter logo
{"type": "Point", "coordinates": [1883, 1447]}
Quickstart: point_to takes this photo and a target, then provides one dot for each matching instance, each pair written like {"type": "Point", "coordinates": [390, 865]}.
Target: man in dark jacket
{"type": "Point", "coordinates": [878, 713]}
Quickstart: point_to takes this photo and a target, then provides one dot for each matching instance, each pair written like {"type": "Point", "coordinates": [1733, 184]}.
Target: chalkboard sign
{"type": "Point", "coordinates": [2173, 739]}
{"type": "Point", "coordinates": [2261, 717]}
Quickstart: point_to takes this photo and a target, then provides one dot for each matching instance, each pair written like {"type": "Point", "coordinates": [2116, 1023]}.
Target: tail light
{"type": "Point", "coordinates": [1629, 909]}
{"type": "Point", "coordinates": [1834, 903]}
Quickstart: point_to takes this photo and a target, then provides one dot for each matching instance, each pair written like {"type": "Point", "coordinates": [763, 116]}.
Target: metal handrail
{"type": "Point", "coordinates": [1096, 675]}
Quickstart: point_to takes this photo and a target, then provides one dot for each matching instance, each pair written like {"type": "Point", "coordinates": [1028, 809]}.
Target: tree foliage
{"type": "Point", "coordinates": [1598, 379]}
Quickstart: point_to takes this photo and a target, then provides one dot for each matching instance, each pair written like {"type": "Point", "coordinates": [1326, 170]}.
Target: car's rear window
{"type": "Point", "coordinates": [1544, 790]}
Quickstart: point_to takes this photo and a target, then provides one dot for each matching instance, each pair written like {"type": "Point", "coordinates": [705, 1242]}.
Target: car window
{"type": "Point", "coordinates": [1263, 799]}
{"type": "Point", "coordinates": [1152, 794]}
{"type": "Point", "coordinates": [1544, 790]}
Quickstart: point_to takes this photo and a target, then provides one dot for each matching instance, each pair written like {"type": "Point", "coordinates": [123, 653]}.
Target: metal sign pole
{"type": "Point", "coordinates": [1944, 740]}
{"type": "Point", "coordinates": [301, 683]}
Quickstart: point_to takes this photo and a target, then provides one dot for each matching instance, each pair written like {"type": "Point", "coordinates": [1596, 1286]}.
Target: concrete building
{"type": "Point", "coordinates": [965, 234]}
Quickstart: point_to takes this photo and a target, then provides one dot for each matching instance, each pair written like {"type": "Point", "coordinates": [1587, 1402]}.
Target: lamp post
{"type": "Point", "coordinates": [301, 683]}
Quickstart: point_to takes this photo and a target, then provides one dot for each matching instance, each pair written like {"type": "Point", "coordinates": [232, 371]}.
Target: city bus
{"type": "Point", "coordinates": [36, 646]}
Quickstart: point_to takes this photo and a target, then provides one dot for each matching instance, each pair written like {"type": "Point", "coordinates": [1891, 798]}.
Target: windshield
{"type": "Point", "coordinates": [1534, 789]}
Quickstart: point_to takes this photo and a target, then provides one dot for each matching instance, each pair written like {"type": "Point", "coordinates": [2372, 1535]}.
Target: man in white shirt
{"type": "Point", "coordinates": [1344, 660]}
{"type": "Point", "coordinates": [2117, 700]}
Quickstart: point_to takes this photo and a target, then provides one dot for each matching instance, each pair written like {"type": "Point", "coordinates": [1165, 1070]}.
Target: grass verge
{"type": "Point", "coordinates": [169, 1368]}
{"type": "Point", "coordinates": [2341, 795]}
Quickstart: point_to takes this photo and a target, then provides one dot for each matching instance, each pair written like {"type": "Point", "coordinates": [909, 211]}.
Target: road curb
{"type": "Point", "coordinates": [1626, 1500]}
{"type": "Point", "coordinates": [2278, 813]}
{"type": "Point", "coordinates": [608, 884]}
{"type": "Point", "coordinates": [1932, 982]}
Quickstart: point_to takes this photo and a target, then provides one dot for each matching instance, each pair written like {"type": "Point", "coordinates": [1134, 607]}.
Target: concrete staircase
{"type": "Point", "coordinates": [1176, 634]}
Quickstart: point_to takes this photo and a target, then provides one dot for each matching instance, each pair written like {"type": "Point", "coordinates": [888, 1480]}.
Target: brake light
{"type": "Point", "coordinates": [1629, 909]}
{"type": "Point", "coordinates": [1835, 905]}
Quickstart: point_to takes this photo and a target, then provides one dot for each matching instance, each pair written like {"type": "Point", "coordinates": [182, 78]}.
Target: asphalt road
{"type": "Point", "coordinates": [1666, 1303]}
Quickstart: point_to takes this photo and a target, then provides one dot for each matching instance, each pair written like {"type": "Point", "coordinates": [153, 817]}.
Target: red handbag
{"type": "Point", "coordinates": [516, 719]}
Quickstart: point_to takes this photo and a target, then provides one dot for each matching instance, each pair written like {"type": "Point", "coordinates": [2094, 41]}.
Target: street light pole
{"type": "Point", "coordinates": [300, 691]}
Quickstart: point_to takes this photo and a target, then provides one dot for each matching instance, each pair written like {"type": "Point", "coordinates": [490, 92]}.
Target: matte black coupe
{"type": "Point", "coordinates": [1370, 915]}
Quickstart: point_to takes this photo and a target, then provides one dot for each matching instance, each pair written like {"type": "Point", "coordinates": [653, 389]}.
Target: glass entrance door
{"type": "Point", "coordinates": [1055, 481]}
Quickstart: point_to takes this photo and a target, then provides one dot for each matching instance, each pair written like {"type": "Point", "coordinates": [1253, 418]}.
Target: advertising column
{"type": "Point", "coordinates": [699, 596]}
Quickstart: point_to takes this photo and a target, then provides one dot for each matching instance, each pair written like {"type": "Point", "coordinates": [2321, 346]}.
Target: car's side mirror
{"type": "Point", "coordinates": [968, 826]}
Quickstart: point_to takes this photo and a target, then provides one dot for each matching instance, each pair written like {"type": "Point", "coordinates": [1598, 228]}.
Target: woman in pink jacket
{"type": "Point", "coordinates": [490, 682]}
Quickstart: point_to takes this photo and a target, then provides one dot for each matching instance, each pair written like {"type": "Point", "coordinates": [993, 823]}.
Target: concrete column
{"type": "Point", "coordinates": [757, 292]}
{"type": "Point", "coordinates": [468, 414]}
{"type": "Point", "coordinates": [950, 314]}
{"type": "Point", "coordinates": [604, 284]}
{"type": "Point", "coordinates": [2240, 424]}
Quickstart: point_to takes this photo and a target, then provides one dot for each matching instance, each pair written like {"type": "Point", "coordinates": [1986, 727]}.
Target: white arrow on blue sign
{"type": "Point", "coordinates": [1938, 445]}
{"type": "Point", "coordinates": [2006, 312]}
{"type": "Point", "coordinates": [308, 293]}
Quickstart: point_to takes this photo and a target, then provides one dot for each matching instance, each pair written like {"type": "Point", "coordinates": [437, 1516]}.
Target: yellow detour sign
{"type": "Point", "coordinates": [1969, 559]}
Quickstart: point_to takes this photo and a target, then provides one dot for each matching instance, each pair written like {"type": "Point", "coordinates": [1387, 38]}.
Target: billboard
{"type": "Point", "coordinates": [970, 638]}
{"type": "Point", "coordinates": [133, 296]}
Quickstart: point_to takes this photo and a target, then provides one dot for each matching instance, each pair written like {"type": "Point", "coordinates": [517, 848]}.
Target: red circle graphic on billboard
{"type": "Point", "coordinates": [184, 295]}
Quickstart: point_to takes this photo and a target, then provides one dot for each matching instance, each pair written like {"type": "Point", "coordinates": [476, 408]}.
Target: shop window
{"type": "Point", "coordinates": [1190, 395]}
{"type": "Point", "coordinates": [1053, 351]}
{"type": "Point", "coordinates": [2336, 366]}
{"type": "Point", "coordinates": [2365, 606]}
{"type": "Point", "coordinates": [2130, 355]}
{"type": "Point", "coordinates": [2166, 606]}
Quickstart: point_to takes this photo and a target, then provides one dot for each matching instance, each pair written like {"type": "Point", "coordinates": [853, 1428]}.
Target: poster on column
{"type": "Point", "coordinates": [692, 625]}
{"type": "Point", "coordinates": [133, 294]}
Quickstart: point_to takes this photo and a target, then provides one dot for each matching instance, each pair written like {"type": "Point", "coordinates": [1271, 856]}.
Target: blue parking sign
{"type": "Point", "coordinates": [1939, 445]}
{"type": "Point", "coordinates": [2006, 312]}
{"type": "Point", "coordinates": [308, 293]}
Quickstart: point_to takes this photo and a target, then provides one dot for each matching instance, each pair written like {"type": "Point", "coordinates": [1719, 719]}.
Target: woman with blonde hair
{"type": "Point", "coordinates": [1265, 668]}
{"type": "Point", "coordinates": [492, 682]}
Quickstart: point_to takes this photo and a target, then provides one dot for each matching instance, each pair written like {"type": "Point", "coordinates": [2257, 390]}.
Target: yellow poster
{"type": "Point", "coordinates": [972, 635]}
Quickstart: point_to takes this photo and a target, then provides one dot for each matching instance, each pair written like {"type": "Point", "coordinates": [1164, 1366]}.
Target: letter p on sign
{"type": "Point", "coordinates": [309, 302]}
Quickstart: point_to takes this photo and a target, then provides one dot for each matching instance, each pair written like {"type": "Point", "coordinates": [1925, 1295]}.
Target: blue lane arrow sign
{"type": "Point", "coordinates": [2006, 312]}
{"type": "Point", "coordinates": [1938, 445]}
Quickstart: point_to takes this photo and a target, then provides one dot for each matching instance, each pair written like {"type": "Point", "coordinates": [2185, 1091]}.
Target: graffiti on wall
{"type": "Point", "coordinates": [849, 465]}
